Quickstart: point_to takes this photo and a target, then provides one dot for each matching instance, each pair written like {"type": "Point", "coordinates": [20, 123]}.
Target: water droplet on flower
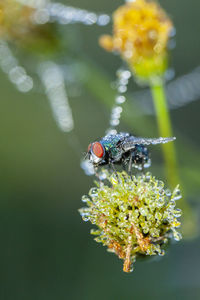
{"type": "Point", "coordinates": [168, 193]}
{"type": "Point", "coordinates": [93, 192]}
{"type": "Point", "coordinates": [177, 196]}
{"type": "Point", "coordinates": [177, 235]}
{"type": "Point", "coordinates": [143, 211]}
{"type": "Point", "coordinates": [161, 253]}
{"type": "Point", "coordinates": [154, 232]}
{"type": "Point", "coordinates": [158, 215]}
{"type": "Point", "coordinates": [177, 212]}
{"type": "Point", "coordinates": [85, 198]}
{"type": "Point", "coordinates": [160, 184]}
{"type": "Point", "coordinates": [103, 175]}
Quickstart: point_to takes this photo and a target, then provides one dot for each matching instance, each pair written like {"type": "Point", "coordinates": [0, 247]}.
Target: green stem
{"type": "Point", "coordinates": [165, 130]}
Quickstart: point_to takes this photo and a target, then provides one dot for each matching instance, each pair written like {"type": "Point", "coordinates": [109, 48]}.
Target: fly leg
{"type": "Point", "coordinates": [111, 165]}
{"type": "Point", "coordinates": [124, 163]}
{"type": "Point", "coordinates": [99, 180]}
{"type": "Point", "coordinates": [96, 172]}
{"type": "Point", "coordinates": [113, 169]}
{"type": "Point", "coordinates": [130, 166]}
{"type": "Point", "coordinates": [142, 168]}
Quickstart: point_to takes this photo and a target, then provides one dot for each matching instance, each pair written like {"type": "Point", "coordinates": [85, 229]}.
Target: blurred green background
{"type": "Point", "coordinates": [46, 250]}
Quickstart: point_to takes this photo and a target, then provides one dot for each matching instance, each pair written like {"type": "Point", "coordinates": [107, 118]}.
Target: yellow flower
{"type": "Point", "coordinates": [15, 19]}
{"type": "Point", "coordinates": [17, 25]}
{"type": "Point", "coordinates": [141, 31]}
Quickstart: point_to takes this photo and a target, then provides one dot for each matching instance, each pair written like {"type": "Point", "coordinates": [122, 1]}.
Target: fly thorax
{"type": "Point", "coordinates": [116, 153]}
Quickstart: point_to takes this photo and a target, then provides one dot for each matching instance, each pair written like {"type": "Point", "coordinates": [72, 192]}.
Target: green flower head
{"type": "Point", "coordinates": [134, 215]}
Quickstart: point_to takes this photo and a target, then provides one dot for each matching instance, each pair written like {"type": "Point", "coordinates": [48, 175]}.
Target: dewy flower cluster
{"type": "Point", "coordinates": [134, 215]}
{"type": "Point", "coordinates": [141, 30]}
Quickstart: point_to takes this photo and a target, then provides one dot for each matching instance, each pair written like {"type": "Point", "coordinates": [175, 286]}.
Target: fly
{"type": "Point", "coordinates": [123, 148]}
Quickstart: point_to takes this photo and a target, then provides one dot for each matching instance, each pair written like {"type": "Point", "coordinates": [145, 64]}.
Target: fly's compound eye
{"type": "Point", "coordinates": [98, 149]}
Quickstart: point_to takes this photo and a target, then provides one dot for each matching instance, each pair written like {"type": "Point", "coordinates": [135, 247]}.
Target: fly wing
{"type": "Point", "coordinates": [131, 141]}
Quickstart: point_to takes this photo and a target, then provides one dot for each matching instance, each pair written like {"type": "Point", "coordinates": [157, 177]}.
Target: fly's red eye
{"type": "Point", "coordinates": [98, 150]}
{"type": "Point", "coordinates": [89, 147]}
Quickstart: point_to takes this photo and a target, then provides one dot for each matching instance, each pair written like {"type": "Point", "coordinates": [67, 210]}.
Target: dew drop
{"type": "Point", "coordinates": [177, 235]}
{"type": "Point", "coordinates": [87, 167]}
{"type": "Point", "coordinates": [121, 87]}
{"type": "Point", "coordinates": [93, 192]}
{"type": "Point", "coordinates": [177, 212]}
{"type": "Point", "coordinates": [102, 175]}
{"type": "Point", "coordinates": [120, 99]}
{"type": "Point", "coordinates": [177, 196]}
{"type": "Point", "coordinates": [168, 193]}
{"type": "Point", "coordinates": [85, 198]}
{"type": "Point", "coordinates": [161, 253]}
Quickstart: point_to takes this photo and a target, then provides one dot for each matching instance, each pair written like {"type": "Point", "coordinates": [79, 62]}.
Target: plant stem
{"type": "Point", "coordinates": [165, 130]}
{"type": "Point", "coordinates": [127, 261]}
